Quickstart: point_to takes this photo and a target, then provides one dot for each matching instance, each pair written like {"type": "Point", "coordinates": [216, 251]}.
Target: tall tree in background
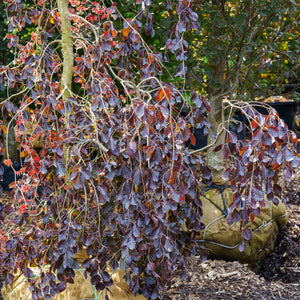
{"type": "Point", "coordinates": [241, 50]}
{"type": "Point", "coordinates": [114, 177]}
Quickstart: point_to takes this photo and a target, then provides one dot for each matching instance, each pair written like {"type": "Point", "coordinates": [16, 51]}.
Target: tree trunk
{"type": "Point", "coordinates": [215, 90]}
{"type": "Point", "coordinates": [216, 118]}
{"type": "Point", "coordinates": [67, 49]}
{"type": "Point", "coordinates": [68, 58]}
{"type": "Point", "coordinates": [11, 151]}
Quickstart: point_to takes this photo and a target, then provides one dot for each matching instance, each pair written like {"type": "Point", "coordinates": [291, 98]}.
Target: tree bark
{"type": "Point", "coordinates": [215, 160]}
{"type": "Point", "coordinates": [67, 44]}
{"type": "Point", "coordinates": [11, 151]}
{"type": "Point", "coordinates": [67, 48]}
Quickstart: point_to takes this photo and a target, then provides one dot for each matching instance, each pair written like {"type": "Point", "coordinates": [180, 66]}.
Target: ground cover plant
{"type": "Point", "coordinates": [111, 174]}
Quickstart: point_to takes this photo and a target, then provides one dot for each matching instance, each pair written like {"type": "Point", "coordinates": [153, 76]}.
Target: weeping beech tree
{"type": "Point", "coordinates": [113, 177]}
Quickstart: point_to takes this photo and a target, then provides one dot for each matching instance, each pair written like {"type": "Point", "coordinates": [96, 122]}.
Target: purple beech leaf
{"type": "Point", "coordinates": [151, 266]}
{"type": "Point", "coordinates": [279, 158]}
{"type": "Point", "coordinates": [217, 148]}
{"type": "Point", "coordinates": [137, 177]}
{"type": "Point", "coordinates": [288, 155]}
{"type": "Point", "coordinates": [131, 243]}
{"type": "Point", "coordinates": [136, 231]}
{"type": "Point", "coordinates": [106, 277]}
{"type": "Point", "coordinates": [267, 139]}
{"type": "Point", "coordinates": [247, 233]}
{"type": "Point", "coordinates": [288, 173]}
{"type": "Point", "coordinates": [100, 286]}
{"type": "Point", "coordinates": [27, 272]}
{"type": "Point", "coordinates": [270, 196]}
{"type": "Point", "coordinates": [233, 137]}
{"type": "Point", "coordinates": [28, 60]}
{"type": "Point", "coordinates": [256, 211]}
{"type": "Point", "coordinates": [175, 195]}
{"type": "Point", "coordinates": [61, 170]}
{"type": "Point", "coordinates": [140, 110]}
{"type": "Point", "coordinates": [131, 149]}
{"type": "Point", "coordinates": [257, 134]}
{"type": "Point", "coordinates": [165, 111]}
{"type": "Point", "coordinates": [95, 279]}
{"type": "Point", "coordinates": [35, 296]}
{"type": "Point", "coordinates": [206, 173]}
{"type": "Point", "coordinates": [225, 151]}
{"type": "Point", "coordinates": [268, 186]}
{"type": "Point", "coordinates": [226, 174]}
{"type": "Point", "coordinates": [168, 246]}
{"type": "Point", "coordinates": [242, 246]}
{"type": "Point", "coordinates": [197, 101]}
{"type": "Point", "coordinates": [295, 162]}
{"type": "Point", "coordinates": [275, 200]}
{"type": "Point", "coordinates": [273, 131]}
{"type": "Point", "coordinates": [193, 16]}
{"type": "Point", "coordinates": [61, 286]}
{"type": "Point", "coordinates": [94, 265]}
{"type": "Point", "coordinates": [181, 27]}
{"type": "Point", "coordinates": [182, 69]}
{"type": "Point", "coordinates": [277, 189]}
{"type": "Point", "coordinates": [10, 74]}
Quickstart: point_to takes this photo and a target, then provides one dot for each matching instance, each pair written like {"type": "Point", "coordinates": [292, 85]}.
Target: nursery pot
{"type": "Point", "coordinates": [201, 139]}
{"type": "Point", "coordinates": [286, 109]}
{"type": "Point", "coordinates": [9, 175]}
{"type": "Point", "coordinates": [290, 88]}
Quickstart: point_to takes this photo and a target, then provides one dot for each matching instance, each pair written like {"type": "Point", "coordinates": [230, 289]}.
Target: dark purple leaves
{"type": "Point", "coordinates": [130, 242]}
{"type": "Point", "coordinates": [181, 27]}
{"type": "Point", "coordinates": [277, 189]}
{"type": "Point", "coordinates": [273, 131]}
{"type": "Point", "coordinates": [96, 279]}
{"type": "Point", "coordinates": [131, 149]}
{"type": "Point", "coordinates": [288, 155]}
{"type": "Point", "coordinates": [233, 217]}
{"type": "Point", "coordinates": [168, 246]}
{"type": "Point", "coordinates": [140, 110]}
{"type": "Point", "coordinates": [151, 266]}
{"type": "Point", "coordinates": [242, 246]}
{"type": "Point", "coordinates": [106, 278]}
{"type": "Point", "coordinates": [247, 233]}
{"type": "Point", "coordinates": [275, 200]}
{"type": "Point", "coordinates": [114, 177]}
{"type": "Point", "coordinates": [288, 173]}
{"type": "Point", "coordinates": [217, 148]}
{"type": "Point", "coordinates": [181, 70]}
{"type": "Point", "coordinates": [206, 173]}
{"type": "Point", "coordinates": [27, 272]}
{"type": "Point", "coordinates": [175, 195]}
{"type": "Point", "coordinates": [233, 137]}
{"type": "Point", "coordinates": [10, 74]}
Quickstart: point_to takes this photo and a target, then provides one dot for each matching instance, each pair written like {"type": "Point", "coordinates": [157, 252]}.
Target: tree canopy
{"type": "Point", "coordinates": [111, 92]}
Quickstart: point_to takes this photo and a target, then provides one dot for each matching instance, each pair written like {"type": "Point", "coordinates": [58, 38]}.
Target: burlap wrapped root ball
{"type": "Point", "coordinates": [81, 289]}
{"type": "Point", "coordinates": [222, 241]}
{"type": "Point", "coordinates": [19, 288]}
